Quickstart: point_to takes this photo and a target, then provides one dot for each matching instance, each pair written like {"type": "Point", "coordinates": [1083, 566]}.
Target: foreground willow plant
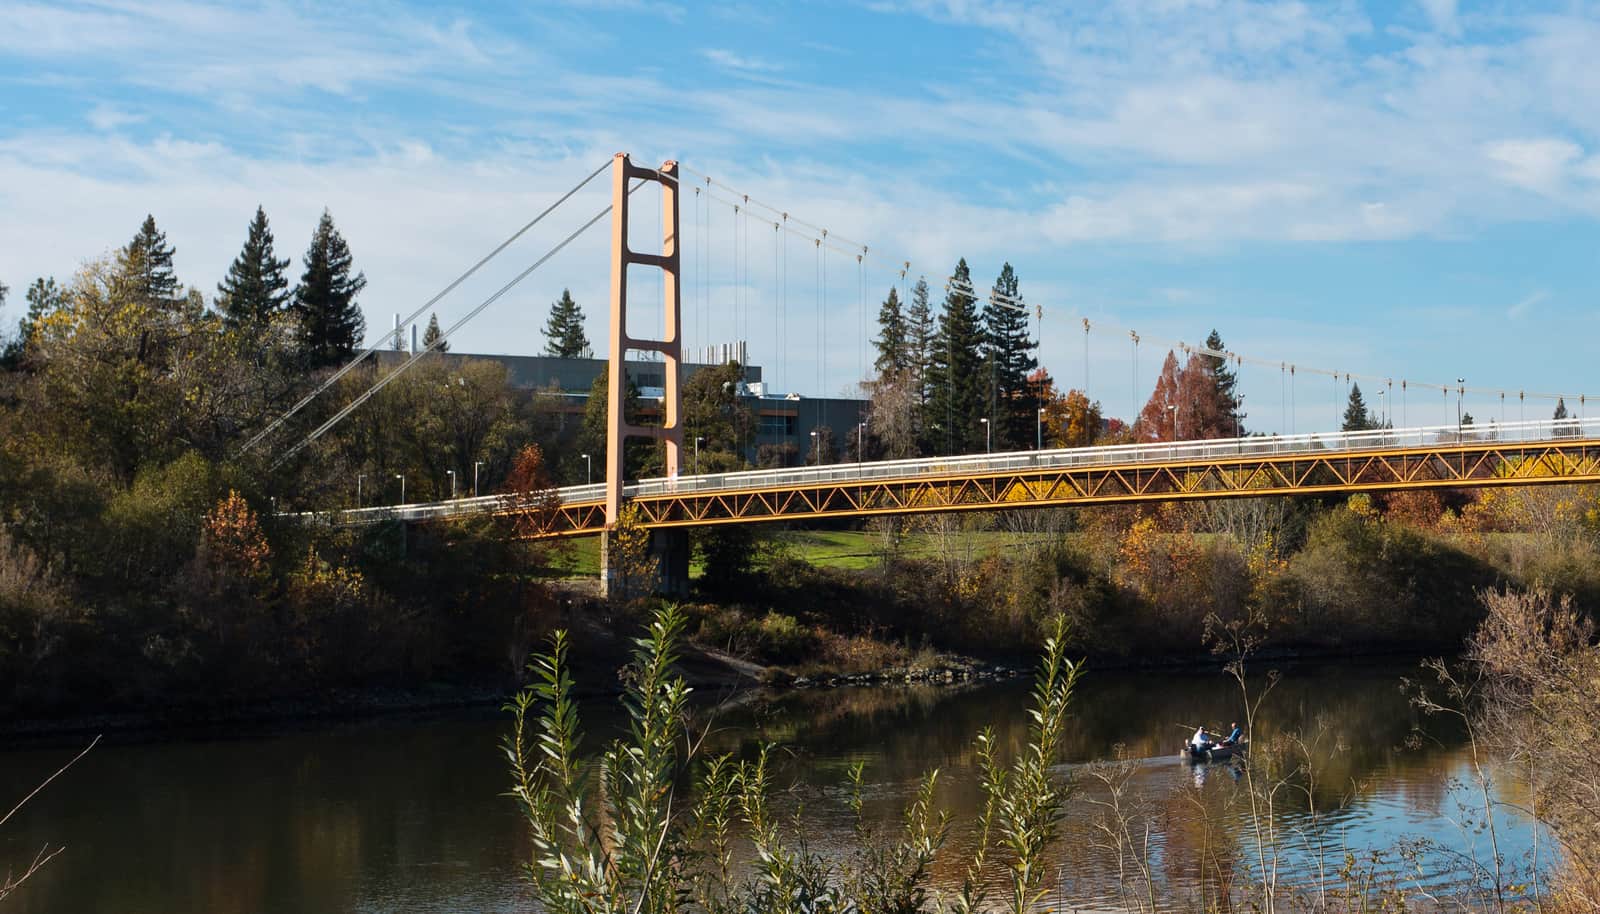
{"type": "Point", "coordinates": [618, 835]}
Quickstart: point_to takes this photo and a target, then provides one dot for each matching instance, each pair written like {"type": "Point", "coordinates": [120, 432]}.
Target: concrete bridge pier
{"type": "Point", "coordinates": [670, 548]}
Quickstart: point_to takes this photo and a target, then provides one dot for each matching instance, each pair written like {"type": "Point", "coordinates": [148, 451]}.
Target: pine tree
{"type": "Point", "coordinates": [331, 324]}
{"type": "Point", "coordinates": [1356, 416]}
{"type": "Point", "coordinates": [434, 335]}
{"type": "Point", "coordinates": [919, 338]}
{"type": "Point", "coordinates": [44, 298]}
{"type": "Point", "coordinates": [563, 332]}
{"type": "Point", "coordinates": [1561, 409]}
{"type": "Point", "coordinates": [1009, 356]}
{"type": "Point", "coordinates": [1225, 383]}
{"type": "Point", "coordinates": [256, 288]}
{"type": "Point", "coordinates": [956, 379]}
{"type": "Point", "coordinates": [893, 355]}
{"type": "Point", "coordinates": [147, 263]}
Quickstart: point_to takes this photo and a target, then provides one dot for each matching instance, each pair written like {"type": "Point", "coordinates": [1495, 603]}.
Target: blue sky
{"type": "Point", "coordinates": [1397, 189]}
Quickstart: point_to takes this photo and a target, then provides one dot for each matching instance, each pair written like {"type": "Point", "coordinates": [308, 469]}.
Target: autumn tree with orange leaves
{"type": "Point", "coordinates": [528, 495]}
{"type": "Point", "coordinates": [1185, 405]}
{"type": "Point", "coordinates": [1070, 419]}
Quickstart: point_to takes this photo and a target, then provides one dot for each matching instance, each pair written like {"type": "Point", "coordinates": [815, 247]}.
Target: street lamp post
{"type": "Point", "coordinates": [359, 478]}
{"type": "Point", "coordinates": [475, 465]}
{"type": "Point", "coordinates": [1460, 390]}
{"type": "Point", "coordinates": [861, 437]}
{"type": "Point", "coordinates": [816, 448]}
{"type": "Point", "coordinates": [1174, 408]}
{"type": "Point", "coordinates": [988, 439]}
{"type": "Point", "coordinates": [588, 470]}
{"type": "Point", "coordinates": [1038, 430]}
{"type": "Point", "coordinates": [402, 478]}
{"type": "Point", "coordinates": [452, 475]}
{"type": "Point", "coordinates": [697, 441]}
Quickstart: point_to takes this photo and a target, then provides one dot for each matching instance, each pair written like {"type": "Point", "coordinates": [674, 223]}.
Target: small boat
{"type": "Point", "coordinates": [1213, 752]}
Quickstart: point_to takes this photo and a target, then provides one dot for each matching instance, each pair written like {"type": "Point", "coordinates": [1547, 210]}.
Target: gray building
{"type": "Point", "coordinates": [784, 422]}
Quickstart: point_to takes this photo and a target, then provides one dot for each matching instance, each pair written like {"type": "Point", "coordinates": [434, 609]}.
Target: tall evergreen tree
{"type": "Point", "coordinates": [1009, 356]}
{"type": "Point", "coordinates": [564, 336]}
{"type": "Point", "coordinates": [894, 355]}
{"type": "Point", "coordinates": [1225, 382]}
{"type": "Point", "coordinates": [1561, 409]}
{"type": "Point", "coordinates": [256, 288]}
{"type": "Point", "coordinates": [434, 335]}
{"type": "Point", "coordinates": [1357, 418]}
{"type": "Point", "coordinates": [956, 380]}
{"type": "Point", "coordinates": [919, 337]}
{"type": "Point", "coordinates": [146, 263]}
{"type": "Point", "coordinates": [331, 324]}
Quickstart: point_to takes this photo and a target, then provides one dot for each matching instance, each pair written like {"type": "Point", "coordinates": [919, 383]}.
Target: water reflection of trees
{"type": "Point", "coordinates": [408, 811]}
{"type": "Point", "coordinates": [1352, 720]}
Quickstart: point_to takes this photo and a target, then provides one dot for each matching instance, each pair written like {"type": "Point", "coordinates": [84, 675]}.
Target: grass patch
{"type": "Point", "coordinates": [859, 549]}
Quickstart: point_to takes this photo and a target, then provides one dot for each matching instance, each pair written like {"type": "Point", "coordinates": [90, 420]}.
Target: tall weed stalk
{"type": "Point", "coordinates": [617, 835]}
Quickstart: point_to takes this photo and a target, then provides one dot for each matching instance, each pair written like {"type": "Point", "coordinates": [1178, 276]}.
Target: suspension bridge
{"type": "Point", "coordinates": [1499, 453]}
{"type": "Point", "coordinates": [1525, 453]}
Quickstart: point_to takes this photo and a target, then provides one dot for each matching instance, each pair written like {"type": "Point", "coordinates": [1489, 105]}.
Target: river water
{"type": "Point", "coordinates": [407, 813]}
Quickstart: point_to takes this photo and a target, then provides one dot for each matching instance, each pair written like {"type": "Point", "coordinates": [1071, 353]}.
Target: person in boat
{"type": "Point", "coordinates": [1201, 739]}
{"type": "Point", "coordinates": [1233, 737]}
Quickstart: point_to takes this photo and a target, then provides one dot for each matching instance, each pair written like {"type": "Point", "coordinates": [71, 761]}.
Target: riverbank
{"type": "Point", "coordinates": [706, 669]}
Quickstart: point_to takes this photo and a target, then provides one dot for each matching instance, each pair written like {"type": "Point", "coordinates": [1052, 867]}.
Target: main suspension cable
{"type": "Point", "coordinates": [384, 381]}
{"type": "Point", "coordinates": [332, 379]}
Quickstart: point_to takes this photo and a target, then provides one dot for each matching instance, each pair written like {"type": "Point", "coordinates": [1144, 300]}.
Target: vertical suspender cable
{"type": "Point", "coordinates": [816, 287]}
{"type": "Point", "coordinates": [777, 333]}
{"type": "Point", "coordinates": [783, 322]}
{"type": "Point", "coordinates": [861, 321]}
{"type": "Point", "coordinates": [694, 258]}
{"type": "Point", "coordinates": [744, 272]}
{"type": "Point", "coordinates": [1133, 378]}
{"type": "Point", "coordinates": [1086, 358]}
{"type": "Point", "coordinates": [1283, 398]}
{"type": "Point", "coordinates": [738, 290]}
{"type": "Point", "coordinates": [711, 324]}
{"type": "Point", "coordinates": [822, 310]}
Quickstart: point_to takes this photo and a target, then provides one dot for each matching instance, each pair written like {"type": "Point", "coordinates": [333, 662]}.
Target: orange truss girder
{"type": "Point", "coordinates": [1466, 466]}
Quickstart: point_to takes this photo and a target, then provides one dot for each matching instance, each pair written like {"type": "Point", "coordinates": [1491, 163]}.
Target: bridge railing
{"type": "Point", "coordinates": [1322, 443]}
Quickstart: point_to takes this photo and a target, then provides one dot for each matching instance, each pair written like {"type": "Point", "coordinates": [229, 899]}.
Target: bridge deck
{"type": "Point", "coordinates": [1433, 457]}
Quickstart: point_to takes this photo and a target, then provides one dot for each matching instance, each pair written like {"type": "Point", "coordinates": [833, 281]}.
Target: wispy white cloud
{"type": "Point", "coordinates": [1520, 309]}
{"type": "Point", "coordinates": [1442, 13]}
{"type": "Point", "coordinates": [732, 61]}
{"type": "Point", "coordinates": [247, 49]}
{"type": "Point", "coordinates": [1536, 164]}
{"type": "Point", "coordinates": [110, 117]}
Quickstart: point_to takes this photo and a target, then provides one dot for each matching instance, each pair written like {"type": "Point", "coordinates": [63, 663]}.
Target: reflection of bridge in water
{"type": "Point", "coordinates": [1523, 453]}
